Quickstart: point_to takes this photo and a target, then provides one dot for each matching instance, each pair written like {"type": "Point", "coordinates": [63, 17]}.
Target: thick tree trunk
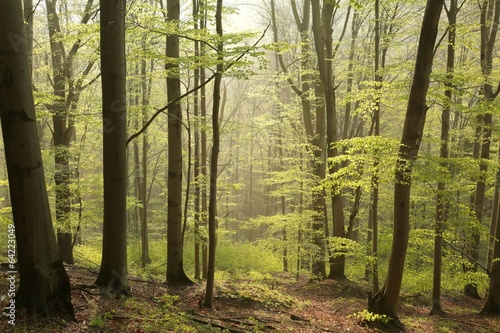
{"type": "Point", "coordinates": [113, 272]}
{"type": "Point", "coordinates": [175, 242]}
{"type": "Point", "coordinates": [492, 304]}
{"type": "Point", "coordinates": [387, 300]}
{"type": "Point", "coordinates": [44, 288]}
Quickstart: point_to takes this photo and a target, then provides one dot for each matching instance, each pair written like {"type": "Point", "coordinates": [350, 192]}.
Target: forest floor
{"type": "Point", "coordinates": [276, 304]}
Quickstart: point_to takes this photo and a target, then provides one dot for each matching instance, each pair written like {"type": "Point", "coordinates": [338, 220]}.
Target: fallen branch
{"type": "Point", "coordinates": [208, 322]}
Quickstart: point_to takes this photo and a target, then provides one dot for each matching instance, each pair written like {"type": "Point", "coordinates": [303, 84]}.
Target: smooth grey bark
{"type": "Point", "coordinates": [175, 243]}
{"type": "Point", "coordinates": [113, 272]}
{"type": "Point", "coordinates": [492, 304]}
{"type": "Point", "coordinates": [44, 287]}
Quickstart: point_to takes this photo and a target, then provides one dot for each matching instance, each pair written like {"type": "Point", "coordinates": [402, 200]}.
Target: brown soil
{"type": "Point", "coordinates": [278, 304]}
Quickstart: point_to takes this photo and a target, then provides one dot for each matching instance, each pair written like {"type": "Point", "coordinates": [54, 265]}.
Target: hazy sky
{"type": "Point", "coordinates": [249, 15]}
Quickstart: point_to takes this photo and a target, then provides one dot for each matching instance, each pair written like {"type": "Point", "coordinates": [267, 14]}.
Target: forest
{"type": "Point", "coordinates": [249, 166]}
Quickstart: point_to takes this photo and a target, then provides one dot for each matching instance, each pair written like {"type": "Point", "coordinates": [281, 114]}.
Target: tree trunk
{"type": "Point", "coordinates": [62, 136]}
{"type": "Point", "coordinates": [375, 179]}
{"type": "Point", "coordinates": [387, 300]}
{"type": "Point", "coordinates": [196, 166]}
{"type": "Point", "coordinates": [212, 206]}
{"type": "Point", "coordinates": [492, 304]}
{"type": "Point", "coordinates": [113, 272]}
{"type": "Point", "coordinates": [175, 242]}
{"type": "Point", "coordinates": [444, 154]}
{"type": "Point", "coordinates": [44, 287]}
{"type": "Point", "coordinates": [489, 9]}
{"type": "Point", "coordinates": [143, 211]}
{"type": "Point", "coordinates": [63, 132]}
{"type": "Point", "coordinates": [315, 136]}
{"type": "Point", "coordinates": [203, 157]}
{"type": "Point", "coordinates": [322, 20]}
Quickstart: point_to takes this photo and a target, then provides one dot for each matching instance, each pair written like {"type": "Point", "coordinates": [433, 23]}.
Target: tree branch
{"type": "Point", "coordinates": [232, 62]}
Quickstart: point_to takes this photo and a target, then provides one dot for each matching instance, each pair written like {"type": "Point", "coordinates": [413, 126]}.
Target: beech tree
{"type": "Point", "coordinates": [489, 22]}
{"type": "Point", "coordinates": [66, 91]}
{"type": "Point", "coordinates": [441, 211]}
{"type": "Point", "coordinates": [322, 20]}
{"type": "Point", "coordinates": [44, 288]}
{"type": "Point", "coordinates": [113, 272]}
{"type": "Point", "coordinates": [175, 241]}
{"type": "Point", "coordinates": [214, 160]}
{"type": "Point", "coordinates": [492, 304]}
{"type": "Point", "coordinates": [386, 301]}
{"type": "Point", "coordinates": [314, 126]}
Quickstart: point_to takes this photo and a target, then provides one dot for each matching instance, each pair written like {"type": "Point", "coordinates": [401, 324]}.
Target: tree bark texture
{"type": "Point", "coordinates": [175, 268]}
{"type": "Point", "coordinates": [113, 272]}
{"type": "Point", "coordinates": [44, 287]}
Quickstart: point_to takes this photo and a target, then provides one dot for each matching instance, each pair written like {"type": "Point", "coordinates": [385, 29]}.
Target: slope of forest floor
{"type": "Point", "coordinates": [276, 304]}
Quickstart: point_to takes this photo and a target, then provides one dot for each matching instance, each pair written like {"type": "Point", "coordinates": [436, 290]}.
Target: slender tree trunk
{"type": "Point", "coordinates": [444, 154]}
{"type": "Point", "coordinates": [175, 242]}
{"type": "Point", "coordinates": [375, 179]}
{"type": "Point", "coordinates": [494, 214]}
{"type": "Point", "coordinates": [316, 136]}
{"type": "Point", "coordinates": [62, 136]}
{"type": "Point", "coordinates": [197, 187]}
{"type": "Point", "coordinates": [143, 210]}
{"type": "Point", "coordinates": [44, 287]}
{"type": "Point", "coordinates": [490, 9]}
{"type": "Point", "coordinates": [322, 20]}
{"type": "Point", "coordinates": [284, 233]}
{"type": "Point", "coordinates": [67, 95]}
{"type": "Point", "coordinates": [387, 300]}
{"type": "Point", "coordinates": [113, 273]}
{"type": "Point", "coordinates": [212, 206]}
{"type": "Point", "coordinates": [203, 158]}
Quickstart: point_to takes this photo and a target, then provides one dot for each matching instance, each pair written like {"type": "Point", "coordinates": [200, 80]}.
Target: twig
{"type": "Point", "coordinates": [133, 136]}
{"type": "Point", "coordinates": [465, 254]}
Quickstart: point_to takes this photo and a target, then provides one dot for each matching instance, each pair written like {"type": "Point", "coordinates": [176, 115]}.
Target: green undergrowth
{"type": "Point", "coordinates": [254, 262]}
{"type": "Point", "coordinates": [164, 317]}
{"type": "Point", "coordinates": [138, 315]}
{"type": "Point", "coordinates": [255, 292]}
{"type": "Point", "coordinates": [238, 260]}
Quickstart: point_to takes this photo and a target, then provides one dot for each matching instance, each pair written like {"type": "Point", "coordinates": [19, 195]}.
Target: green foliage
{"type": "Point", "coordinates": [100, 320]}
{"type": "Point", "coordinates": [88, 255]}
{"type": "Point", "coordinates": [368, 316]}
{"type": "Point", "coordinates": [246, 257]}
